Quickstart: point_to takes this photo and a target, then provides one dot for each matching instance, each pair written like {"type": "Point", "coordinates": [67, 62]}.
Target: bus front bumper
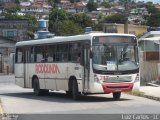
{"type": "Point", "coordinates": [125, 87]}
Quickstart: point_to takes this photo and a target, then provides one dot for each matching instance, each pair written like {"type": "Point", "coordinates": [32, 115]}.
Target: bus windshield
{"type": "Point", "coordinates": [115, 53]}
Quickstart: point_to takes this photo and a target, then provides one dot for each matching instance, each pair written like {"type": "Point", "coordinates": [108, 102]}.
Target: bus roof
{"type": "Point", "coordinates": [59, 39]}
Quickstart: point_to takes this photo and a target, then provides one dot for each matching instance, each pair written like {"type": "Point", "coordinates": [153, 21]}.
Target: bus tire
{"type": "Point", "coordinates": [75, 93]}
{"type": "Point", "coordinates": [69, 93]}
{"type": "Point", "coordinates": [116, 95]}
{"type": "Point", "coordinates": [36, 88]}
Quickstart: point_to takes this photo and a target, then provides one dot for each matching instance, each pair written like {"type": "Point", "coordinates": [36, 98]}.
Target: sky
{"type": "Point", "coordinates": [154, 1]}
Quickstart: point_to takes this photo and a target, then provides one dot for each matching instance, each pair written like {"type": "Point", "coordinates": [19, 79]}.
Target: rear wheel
{"type": "Point", "coordinates": [69, 93]}
{"type": "Point", "coordinates": [75, 93]}
{"type": "Point", "coordinates": [116, 95]}
{"type": "Point", "coordinates": [36, 88]}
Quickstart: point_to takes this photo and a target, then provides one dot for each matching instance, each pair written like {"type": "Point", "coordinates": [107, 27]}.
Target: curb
{"type": "Point", "coordinates": [152, 97]}
{"type": "Point", "coordinates": [142, 94]}
{"type": "Point", "coordinates": [1, 111]}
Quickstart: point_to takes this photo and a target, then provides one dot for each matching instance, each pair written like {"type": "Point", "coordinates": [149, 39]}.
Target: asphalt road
{"type": "Point", "coordinates": [17, 100]}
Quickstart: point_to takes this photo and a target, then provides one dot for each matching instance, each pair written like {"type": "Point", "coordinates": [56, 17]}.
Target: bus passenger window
{"type": "Point", "coordinates": [19, 55]}
{"type": "Point", "coordinates": [62, 52]}
{"type": "Point", "coordinates": [51, 53]}
{"type": "Point", "coordinates": [75, 52]}
{"type": "Point", "coordinates": [39, 54]}
{"type": "Point", "coordinates": [78, 57]}
{"type": "Point", "coordinates": [32, 54]}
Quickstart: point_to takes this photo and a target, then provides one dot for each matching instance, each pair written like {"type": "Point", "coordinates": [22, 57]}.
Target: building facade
{"type": "Point", "coordinates": [150, 57]}
{"type": "Point", "coordinates": [7, 49]}
{"type": "Point", "coordinates": [137, 30]}
{"type": "Point", "coordinates": [14, 29]}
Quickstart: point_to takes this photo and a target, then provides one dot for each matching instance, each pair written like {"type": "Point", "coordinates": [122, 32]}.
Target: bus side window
{"type": "Point", "coordinates": [39, 54]}
{"type": "Point", "coordinates": [75, 52]}
{"type": "Point", "coordinates": [32, 54]}
{"type": "Point", "coordinates": [19, 55]}
{"type": "Point", "coordinates": [51, 53]}
{"type": "Point", "coordinates": [62, 52]}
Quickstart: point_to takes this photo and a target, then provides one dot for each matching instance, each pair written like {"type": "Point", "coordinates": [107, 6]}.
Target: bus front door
{"type": "Point", "coordinates": [86, 62]}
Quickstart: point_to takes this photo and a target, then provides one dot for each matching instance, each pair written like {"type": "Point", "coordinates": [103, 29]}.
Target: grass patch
{"type": "Point", "coordinates": [136, 93]}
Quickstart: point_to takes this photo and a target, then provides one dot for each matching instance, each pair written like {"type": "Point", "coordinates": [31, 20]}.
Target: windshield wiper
{"type": "Point", "coordinates": [123, 54]}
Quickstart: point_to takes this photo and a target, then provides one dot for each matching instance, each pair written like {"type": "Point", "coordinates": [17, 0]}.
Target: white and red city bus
{"type": "Point", "coordinates": [81, 64]}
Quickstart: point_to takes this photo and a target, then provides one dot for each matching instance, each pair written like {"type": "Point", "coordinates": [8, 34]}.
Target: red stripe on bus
{"type": "Point", "coordinates": [125, 87]}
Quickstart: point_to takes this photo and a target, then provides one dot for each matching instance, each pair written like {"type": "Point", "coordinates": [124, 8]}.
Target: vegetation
{"type": "Point", "coordinates": [64, 23]}
{"type": "Point", "coordinates": [106, 4]}
{"type": "Point", "coordinates": [11, 14]}
{"type": "Point", "coordinates": [91, 5]}
{"type": "Point", "coordinates": [116, 18]}
{"type": "Point", "coordinates": [136, 93]}
{"type": "Point", "coordinates": [73, 1]}
{"type": "Point", "coordinates": [68, 27]}
{"type": "Point", "coordinates": [153, 19]}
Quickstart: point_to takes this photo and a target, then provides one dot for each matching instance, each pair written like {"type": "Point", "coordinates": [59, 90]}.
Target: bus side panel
{"type": "Point", "coordinates": [76, 70]}
{"type": "Point", "coordinates": [95, 87]}
{"type": "Point", "coordinates": [19, 74]}
{"type": "Point", "coordinates": [51, 76]}
{"type": "Point", "coordinates": [61, 75]}
{"type": "Point", "coordinates": [36, 69]}
{"type": "Point", "coordinates": [136, 78]}
{"type": "Point", "coordinates": [31, 73]}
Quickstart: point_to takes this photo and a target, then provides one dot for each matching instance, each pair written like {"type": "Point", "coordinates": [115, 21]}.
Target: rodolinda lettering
{"type": "Point", "coordinates": [47, 68]}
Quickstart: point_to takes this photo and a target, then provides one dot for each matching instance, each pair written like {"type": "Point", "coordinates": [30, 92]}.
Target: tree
{"type": "Point", "coordinates": [54, 2]}
{"type": "Point", "coordinates": [73, 1]}
{"type": "Point", "coordinates": [91, 5]}
{"type": "Point", "coordinates": [64, 23]}
{"type": "Point", "coordinates": [68, 27]}
{"type": "Point", "coordinates": [106, 4]}
{"type": "Point", "coordinates": [58, 15]}
{"type": "Point", "coordinates": [55, 17]}
{"type": "Point", "coordinates": [13, 10]}
{"type": "Point", "coordinates": [151, 8]}
{"type": "Point", "coordinates": [116, 18]}
{"type": "Point", "coordinates": [82, 19]}
{"type": "Point", "coordinates": [17, 1]}
{"type": "Point", "coordinates": [60, 23]}
{"type": "Point", "coordinates": [154, 20]}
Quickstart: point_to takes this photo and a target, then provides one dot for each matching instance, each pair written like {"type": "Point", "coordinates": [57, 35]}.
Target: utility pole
{"type": "Point", "coordinates": [126, 12]}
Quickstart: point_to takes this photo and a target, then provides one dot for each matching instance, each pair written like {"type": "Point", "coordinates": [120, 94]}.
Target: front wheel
{"type": "Point", "coordinates": [116, 95]}
{"type": "Point", "coordinates": [75, 93]}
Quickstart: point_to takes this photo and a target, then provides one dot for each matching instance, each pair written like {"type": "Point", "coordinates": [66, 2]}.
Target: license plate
{"type": "Point", "coordinates": [117, 90]}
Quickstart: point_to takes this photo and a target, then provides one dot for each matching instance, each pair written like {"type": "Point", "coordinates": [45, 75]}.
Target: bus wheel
{"type": "Point", "coordinates": [69, 93]}
{"type": "Point", "coordinates": [75, 93]}
{"type": "Point", "coordinates": [116, 95]}
{"type": "Point", "coordinates": [36, 88]}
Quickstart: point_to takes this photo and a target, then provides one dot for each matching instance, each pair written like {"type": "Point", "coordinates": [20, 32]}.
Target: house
{"type": "Point", "coordinates": [6, 4]}
{"type": "Point", "coordinates": [150, 56]}
{"type": "Point", "coordinates": [119, 28]}
{"type": "Point", "coordinates": [7, 49]}
{"type": "Point", "coordinates": [78, 7]}
{"type": "Point", "coordinates": [37, 8]}
{"type": "Point", "coordinates": [14, 29]}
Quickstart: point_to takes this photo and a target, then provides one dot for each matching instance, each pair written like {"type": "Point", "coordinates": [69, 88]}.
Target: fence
{"type": "Point", "coordinates": [149, 71]}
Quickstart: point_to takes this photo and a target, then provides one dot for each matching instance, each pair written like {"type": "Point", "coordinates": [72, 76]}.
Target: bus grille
{"type": "Point", "coordinates": [119, 79]}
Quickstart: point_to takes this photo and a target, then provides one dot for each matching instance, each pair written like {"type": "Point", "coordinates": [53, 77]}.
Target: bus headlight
{"type": "Point", "coordinates": [137, 78]}
{"type": "Point", "coordinates": [96, 79]}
